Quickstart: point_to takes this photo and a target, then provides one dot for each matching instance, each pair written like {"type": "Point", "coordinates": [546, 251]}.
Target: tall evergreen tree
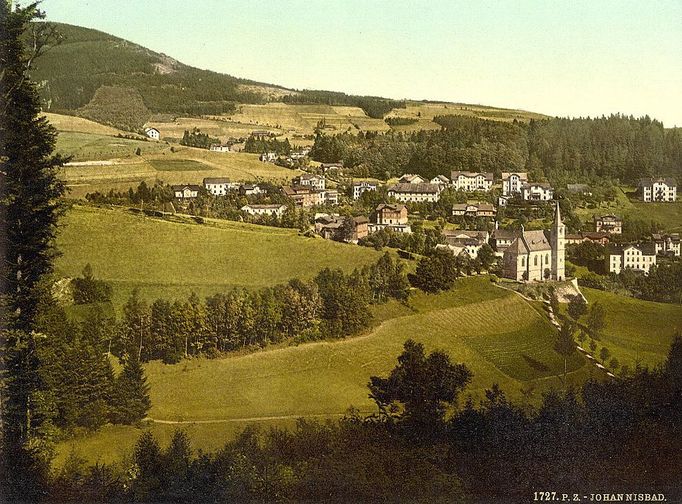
{"type": "Point", "coordinates": [132, 392]}
{"type": "Point", "coordinates": [29, 208]}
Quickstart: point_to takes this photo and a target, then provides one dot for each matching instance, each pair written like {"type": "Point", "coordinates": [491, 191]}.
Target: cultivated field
{"type": "Point", "coordinates": [169, 259]}
{"type": "Point", "coordinates": [103, 162]}
{"type": "Point", "coordinates": [80, 125]}
{"type": "Point", "coordinates": [501, 337]}
{"type": "Point", "coordinates": [636, 330]}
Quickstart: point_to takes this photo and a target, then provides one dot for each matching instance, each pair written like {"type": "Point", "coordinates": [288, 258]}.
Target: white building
{"type": "Point", "coordinates": [658, 189]}
{"type": "Point", "coordinates": [512, 182]}
{"type": "Point", "coordinates": [415, 193]}
{"type": "Point", "coordinates": [220, 148]}
{"type": "Point", "coordinates": [331, 196]}
{"type": "Point", "coordinates": [311, 180]}
{"type": "Point", "coordinates": [537, 191]}
{"type": "Point", "coordinates": [153, 133]}
{"type": "Point", "coordinates": [464, 242]}
{"type": "Point", "coordinates": [608, 224]}
{"type": "Point", "coordinates": [268, 157]}
{"type": "Point", "coordinates": [189, 191]}
{"type": "Point", "coordinates": [361, 187]}
{"type": "Point", "coordinates": [250, 189]}
{"type": "Point", "coordinates": [636, 257]}
{"type": "Point", "coordinates": [667, 244]}
{"type": "Point", "coordinates": [411, 178]}
{"type": "Point", "coordinates": [472, 181]}
{"type": "Point", "coordinates": [277, 210]}
{"type": "Point", "coordinates": [219, 186]}
{"type": "Point", "coordinates": [440, 180]}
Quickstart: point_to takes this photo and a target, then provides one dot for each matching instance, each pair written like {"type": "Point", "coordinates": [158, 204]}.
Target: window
{"type": "Point", "coordinates": [535, 262]}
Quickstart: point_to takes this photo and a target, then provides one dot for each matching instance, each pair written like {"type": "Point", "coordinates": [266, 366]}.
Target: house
{"type": "Point", "coordinates": [599, 237]}
{"type": "Point", "coordinates": [219, 148]}
{"type": "Point", "coordinates": [471, 181]}
{"type": "Point", "coordinates": [310, 180]}
{"type": "Point", "coordinates": [608, 224]}
{"type": "Point", "coordinates": [152, 133]}
{"type": "Point", "coordinates": [261, 133]}
{"type": "Point", "coordinates": [361, 187]}
{"type": "Point", "coordinates": [304, 197]}
{"type": "Point", "coordinates": [300, 153]}
{"type": "Point", "coordinates": [440, 180]}
{"type": "Point", "coordinates": [667, 244]}
{"type": "Point", "coordinates": [391, 216]}
{"type": "Point", "coordinates": [268, 157]}
{"type": "Point", "coordinates": [250, 190]}
{"type": "Point", "coordinates": [325, 167]}
{"type": "Point", "coordinates": [331, 226]}
{"type": "Point", "coordinates": [415, 193]}
{"type": "Point", "coordinates": [537, 255]}
{"type": "Point", "coordinates": [657, 189]}
{"type": "Point", "coordinates": [512, 182]}
{"type": "Point", "coordinates": [464, 242]}
{"type": "Point", "coordinates": [537, 191]}
{"type": "Point", "coordinates": [411, 178]}
{"type": "Point", "coordinates": [476, 209]}
{"type": "Point", "coordinates": [629, 256]}
{"type": "Point", "coordinates": [219, 186]}
{"type": "Point", "coordinates": [189, 191]}
{"type": "Point", "coordinates": [331, 196]}
{"type": "Point", "coordinates": [276, 210]}
{"type": "Point", "coordinates": [583, 189]}
{"type": "Point", "coordinates": [501, 239]}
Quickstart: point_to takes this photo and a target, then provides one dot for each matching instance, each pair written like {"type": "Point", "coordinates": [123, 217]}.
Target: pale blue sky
{"type": "Point", "coordinates": [572, 57]}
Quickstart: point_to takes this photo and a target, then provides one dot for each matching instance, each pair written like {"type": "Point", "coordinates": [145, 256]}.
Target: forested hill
{"type": "Point", "coordinates": [71, 72]}
{"type": "Point", "coordinates": [615, 148]}
{"type": "Point", "coordinates": [91, 72]}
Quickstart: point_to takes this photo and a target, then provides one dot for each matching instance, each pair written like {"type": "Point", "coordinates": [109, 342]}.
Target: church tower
{"type": "Point", "coordinates": [558, 244]}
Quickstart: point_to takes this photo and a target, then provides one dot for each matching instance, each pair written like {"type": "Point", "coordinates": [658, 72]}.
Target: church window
{"type": "Point", "coordinates": [523, 261]}
{"type": "Point", "coordinates": [535, 262]}
{"type": "Point", "coordinates": [546, 258]}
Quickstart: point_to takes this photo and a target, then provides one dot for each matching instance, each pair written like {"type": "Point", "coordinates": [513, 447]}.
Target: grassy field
{"type": "Point", "coordinates": [80, 125]}
{"type": "Point", "coordinates": [171, 259]}
{"type": "Point", "coordinates": [636, 330]}
{"type": "Point", "coordinates": [668, 214]}
{"type": "Point", "coordinates": [323, 379]}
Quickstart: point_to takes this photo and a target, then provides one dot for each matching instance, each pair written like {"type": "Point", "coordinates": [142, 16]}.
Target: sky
{"type": "Point", "coordinates": [567, 58]}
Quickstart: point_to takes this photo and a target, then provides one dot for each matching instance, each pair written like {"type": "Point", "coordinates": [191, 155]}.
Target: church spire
{"type": "Point", "coordinates": [557, 215]}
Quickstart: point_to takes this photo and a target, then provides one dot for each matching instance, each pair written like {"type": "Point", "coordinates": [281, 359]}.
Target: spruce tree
{"type": "Point", "coordinates": [29, 209]}
{"type": "Point", "coordinates": [132, 392]}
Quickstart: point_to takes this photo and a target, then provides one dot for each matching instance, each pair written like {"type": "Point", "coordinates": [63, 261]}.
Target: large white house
{"type": "Point", "coordinates": [538, 255]}
{"type": "Point", "coordinates": [464, 242]}
{"type": "Point", "coordinates": [512, 182]}
{"type": "Point", "coordinates": [311, 180]}
{"type": "Point", "coordinates": [361, 187]}
{"type": "Point", "coordinates": [219, 186]}
{"type": "Point", "coordinates": [219, 148]}
{"type": "Point", "coordinates": [658, 189]}
{"type": "Point", "coordinates": [415, 193]}
{"type": "Point", "coordinates": [471, 181]}
{"type": "Point", "coordinates": [636, 257]}
{"type": "Point", "coordinates": [537, 191]}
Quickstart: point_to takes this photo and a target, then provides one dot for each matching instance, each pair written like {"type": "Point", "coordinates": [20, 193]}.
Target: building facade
{"type": "Point", "coordinates": [415, 193]}
{"type": "Point", "coordinates": [608, 224]}
{"type": "Point", "coordinates": [636, 257]}
{"type": "Point", "coordinates": [361, 187]}
{"type": "Point", "coordinates": [276, 210]}
{"type": "Point", "coordinates": [658, 189]}
{"type": "Point", "coordinates": [471, 181]}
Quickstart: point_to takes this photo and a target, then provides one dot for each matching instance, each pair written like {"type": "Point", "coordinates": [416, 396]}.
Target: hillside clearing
{"type": "Point", "coordinates": [169, 259]}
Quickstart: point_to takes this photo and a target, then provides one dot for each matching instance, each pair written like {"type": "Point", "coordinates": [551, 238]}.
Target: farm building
{"type": "Point", "coordinates": [152, 133]}
{"type": "Point", "coordinates": [184, 192]}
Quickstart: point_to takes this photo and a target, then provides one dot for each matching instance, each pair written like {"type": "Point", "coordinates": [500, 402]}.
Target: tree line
{"type": "Point", "coordinates": [259, 144]}
{"type": "Point", "coordinates": [196, 138]}
{"type": "Point", "coordinates": [373, 106]}
{"type": "Point", "coordinates": [331, 305]}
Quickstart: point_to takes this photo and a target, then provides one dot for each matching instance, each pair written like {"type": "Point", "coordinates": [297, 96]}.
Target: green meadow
{"type": "Point", "coordinates": [637, 330]}
{"type": "Point", "coordinates": [171, 259]}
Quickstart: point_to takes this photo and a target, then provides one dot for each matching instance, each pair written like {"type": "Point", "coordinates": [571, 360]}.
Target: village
{"type": "Point", "coordinates": [523, 254]}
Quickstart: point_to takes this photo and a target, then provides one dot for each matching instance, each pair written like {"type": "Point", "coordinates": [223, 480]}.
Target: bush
{"type": "Point", "coordinates": [88, 290]}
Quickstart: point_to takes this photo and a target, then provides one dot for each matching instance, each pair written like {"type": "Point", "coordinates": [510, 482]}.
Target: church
{"type": "Point", "coordinates": [538, 255]}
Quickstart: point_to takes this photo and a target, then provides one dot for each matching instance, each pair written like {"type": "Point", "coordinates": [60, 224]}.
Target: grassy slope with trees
{"type": "Point", "coordinates": [325, 378]}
